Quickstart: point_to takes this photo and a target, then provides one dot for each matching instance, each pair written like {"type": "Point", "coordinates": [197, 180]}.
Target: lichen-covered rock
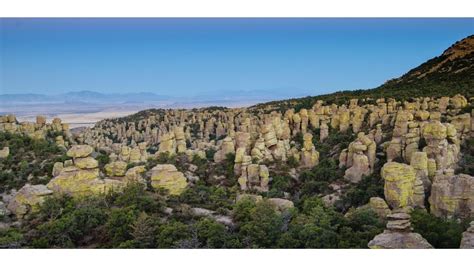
{"type": "Point", "coordinates": [167, 144]}
{"type": "Point", "coordinates": [419, 162]}
{"type": "Point", "coordinates": [227, 147]}
{"type": "Point", "coordinates": [434, 130]}
{"type": "Point", "coordinates": [399, 184]}
{"type": "Point", "coordinates": [452, 195]}
{"type": "Point", "coordinates": [28, 199]}
{"type": "Point", "coordinates": [79, 151]}
{"type": "Point", "coordinates": [81, 182]}
{"type": "Point", "coordinates": [254, 176]}
{"type": "Point", "coordinates": [309, 154]}
{"type": "Point", "coordinates": [135, 174]}
{"type": "Point", "coordinates": [168, 177]}
{"type": "Point", "coordinates": [379, 206]}
{"type": "Point", "coordinates": [86, 163]}
{"type": "Point", "coordinates": [117, 168]}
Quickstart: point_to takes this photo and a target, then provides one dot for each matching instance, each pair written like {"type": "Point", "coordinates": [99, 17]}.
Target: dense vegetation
{"type": "Point", "coordinates": [30, 160]}
{"type": "Point", "coordinates": [133, 219]}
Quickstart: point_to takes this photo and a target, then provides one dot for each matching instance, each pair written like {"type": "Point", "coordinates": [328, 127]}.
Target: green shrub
{"type": "Point", "coordinates": [439, 232]}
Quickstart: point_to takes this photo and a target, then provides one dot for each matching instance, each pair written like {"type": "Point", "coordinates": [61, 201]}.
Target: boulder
{"type": "Point", "coordinates": [135, 174]}
{"type": "Point", "coordinates": [166, 176]}
{"type": "Point", "coordinates": [117, 168]}
{"type": "Point", "coordinates": [4, 152]}
{"type": "Point", "coordinates": [57, 168]}
{"type": "Point", "coordinates": [79, 151]}
{"type": "Point", "coordinates": [86, 163]}
{"type": "Point", "coordinates": [379, 206]}
{"type": "Point", "coordinates": [82, 182]}
{"type": "Point", "coordinates": [28, 199]}
{"type": "Point", "coordinates": [281, 204]}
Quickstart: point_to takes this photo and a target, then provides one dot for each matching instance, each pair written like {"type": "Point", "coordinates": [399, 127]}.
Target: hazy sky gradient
{"type": "Point", "coordinates": [183, 57]}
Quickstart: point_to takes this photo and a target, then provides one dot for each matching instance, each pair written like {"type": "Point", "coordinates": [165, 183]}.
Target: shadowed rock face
{"type": "Point", "coordinates": [467, 240]}
{"type": "Point", "coordinates": [399, 235]}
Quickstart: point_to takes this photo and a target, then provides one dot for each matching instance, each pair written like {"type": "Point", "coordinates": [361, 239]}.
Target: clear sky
{"type": "Point", "coordinates": [182, 57]}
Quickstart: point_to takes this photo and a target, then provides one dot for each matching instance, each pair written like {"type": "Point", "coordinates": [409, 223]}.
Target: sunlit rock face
{"type": "Point", "coordinates": [166, 176]}
{"type": "Point", "coordinates": [28, 199]}
{"type": "Point", "coordinates": [81, 178]}
{"type": "Point", "coordinates": [399, 235]}
{"type": "Point", "coordinates": [399, 187]}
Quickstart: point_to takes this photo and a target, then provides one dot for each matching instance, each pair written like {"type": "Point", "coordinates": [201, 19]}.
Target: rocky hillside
{"type": "Point", "coordinates": [321, 172]}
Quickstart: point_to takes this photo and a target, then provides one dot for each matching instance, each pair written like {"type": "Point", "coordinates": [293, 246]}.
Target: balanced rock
{"type": "Point", "coordinates": [399, 235]}
{"type": "Point", "coordinates": [79, 151]}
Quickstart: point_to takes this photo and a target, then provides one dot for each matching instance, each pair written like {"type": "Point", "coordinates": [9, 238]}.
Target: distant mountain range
{"type": "Point", "coordinates": [83, 97]}
{"type": "Point", "coordinates": [96, 98]}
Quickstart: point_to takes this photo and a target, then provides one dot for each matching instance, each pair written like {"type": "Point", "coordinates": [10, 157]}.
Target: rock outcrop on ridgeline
{"type": "Point", "coordinates": [399, 235]}
{"type": "Point", "coordinates": [36, 130]}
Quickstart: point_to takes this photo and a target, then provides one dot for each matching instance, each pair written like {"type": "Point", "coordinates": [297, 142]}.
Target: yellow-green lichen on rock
{"type": "Point", "coordinates": [79, 151]}
{"type": "Point", "coordinates": [86, 163]}
{"type": "Point", "coordinates": [399, 184]}
{"type": "Point", "coordinates": [28, 199]}
{"type": "Point", "coordinates": [82, 182]}
{"type": "Point", "coordinates": [434, 130]}
{"type": "Point", "coordinates": [117, 168]}
{"type": "Point", "coordinates": [452, 196]}
{"type": "Point", "coordinates": [166, 176]}
{"type": "Point", "coordinates": [82, 178]}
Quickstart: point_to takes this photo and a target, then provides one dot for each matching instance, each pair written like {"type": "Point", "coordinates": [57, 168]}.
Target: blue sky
{"type": "Point", "coordinates": [189, 57]}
